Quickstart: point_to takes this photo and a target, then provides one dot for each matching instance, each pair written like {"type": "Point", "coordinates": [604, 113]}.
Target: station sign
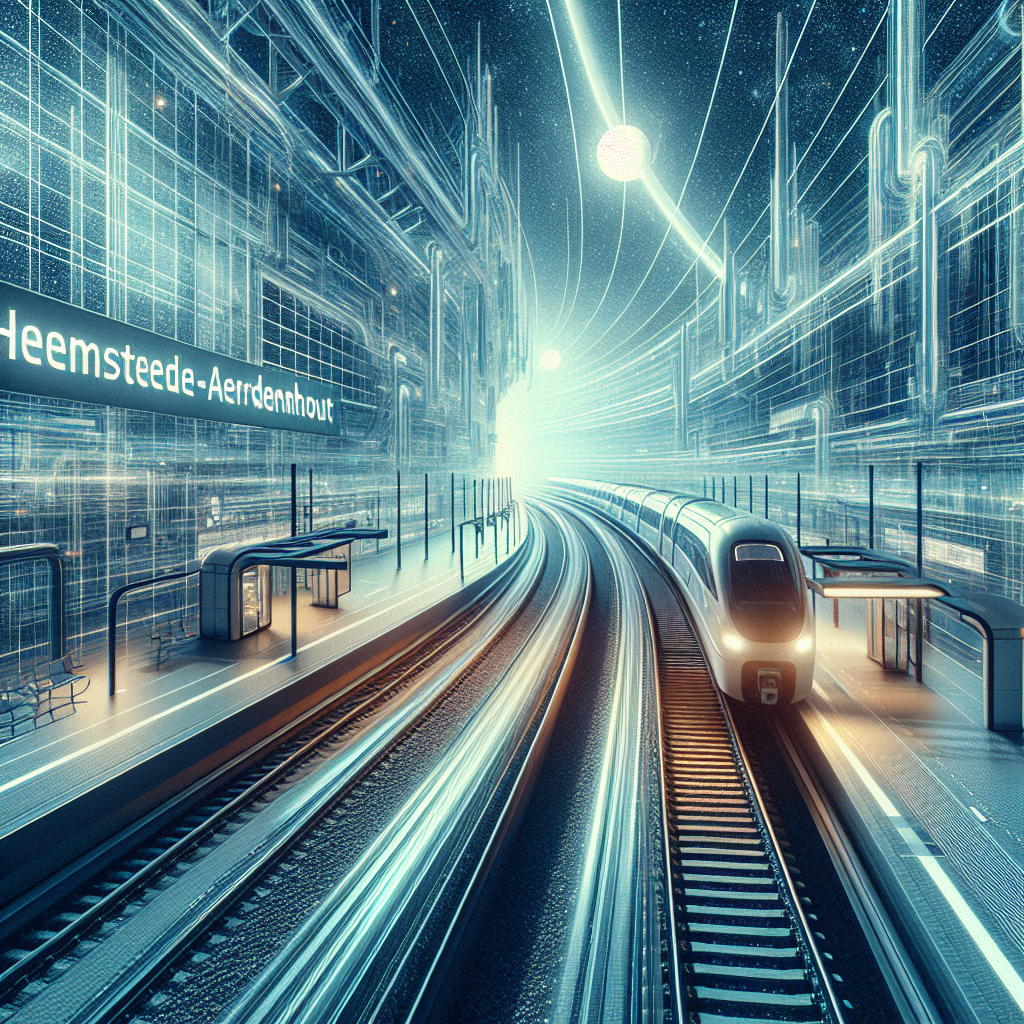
{"type": "Point", "coordinates": [56, 350]}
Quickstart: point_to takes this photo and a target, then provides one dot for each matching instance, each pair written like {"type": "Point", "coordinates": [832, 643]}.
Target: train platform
{"type": "Point", "coordinates": [69, 785]}
{"type": "Point", "coordinates": [939, 799]}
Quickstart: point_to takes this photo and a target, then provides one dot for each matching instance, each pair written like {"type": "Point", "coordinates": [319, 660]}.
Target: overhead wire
{"type": "Point", "coordinates": [935, 29]}
{"type": "Point", "coordinates": [620, 367]}
{"type": "Point", "coordinates": [451, 49]}
{"type": "Point", "coordinates": [743, 170]}
{"type": "Point", "coordinates": [437, 60]}
{"type": "Point", "coordinates": [617, 371]}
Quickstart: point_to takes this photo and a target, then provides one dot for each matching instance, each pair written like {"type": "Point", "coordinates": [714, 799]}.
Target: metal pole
{"type": "Point", "coordinates": [714, 484]}
{"type": "Point", "coordinates": [871, 506]}
{"type": "Point", "coordinates": [919, 610]}
{"type": "Point", "coordinates": [115, 597]}
{"type": "Point", "coordinates": [494, 523]}
{"type": "Point", "coordinates": [766, 495]}
{"type": "Point", "coordinates": [724, 496]}
{"type": "Point", "coordinates": [378, 519]}
{"type": "Point", "coordinates": [735, 500]}
{"type": "Point", "coordinates": [293, 573]}
{"type": "Point", "coordinates": [798, 510]}
{"type": "Point", "coordinates": [310, 499]}
{"type": "Point", "coordinates": [398, 512]}
{"type": "Point", "coordinates": [453, 513]}
{"type": "Point", "coordinates": [462, 559]}
{"type": "Point", "coordinates": [426, 516]}
{"type": "Point", "coordinates": [476, 531]}
{"type": "Point", "coordinates": [705, 487]}
{"type": "Point", "coordinates": [920, 522]}
{"type": "Point", "coordinates": [463, 495]}
{"type": "Point", "coordinates": [751, 493]}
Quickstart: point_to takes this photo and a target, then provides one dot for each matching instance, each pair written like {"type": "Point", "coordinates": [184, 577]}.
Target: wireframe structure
{"type": "Point", "coordinates": [305, 189]}
{"type": "Point", "coordinates": [881, 328]}
{"type": "Point", "coordinates": [247, 179]}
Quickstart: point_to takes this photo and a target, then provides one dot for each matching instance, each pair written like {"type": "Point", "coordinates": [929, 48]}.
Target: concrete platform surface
{"type": "Point", "coordinates": [943, 801]}
{"type": "Point", "coordinates": [72, 783]}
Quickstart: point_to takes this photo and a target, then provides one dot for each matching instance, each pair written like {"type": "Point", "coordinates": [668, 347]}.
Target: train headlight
{"type": "Point", "coordinates": [804, 643]}
{"type": "Point", "coordinates": [733, 642]}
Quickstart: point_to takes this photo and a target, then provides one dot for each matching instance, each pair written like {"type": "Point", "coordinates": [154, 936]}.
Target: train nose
{"type": "Point", "coordinates": [768, 682]}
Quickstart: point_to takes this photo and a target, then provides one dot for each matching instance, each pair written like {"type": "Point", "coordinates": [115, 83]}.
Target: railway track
{"type": "Point", "coordinates": [745, 948]}
{"type": "Point", "coordinates": [28, 949]}
{"type": "Point", "coordinates": [734, 941]}
{"type": "Point", "coordinates": [51, 954]}
{"type": "Point", "coordinates": [377, 938]}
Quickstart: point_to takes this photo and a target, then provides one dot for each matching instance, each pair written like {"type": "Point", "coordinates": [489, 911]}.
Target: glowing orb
{"type": "Point", "coordinates": [550, 360]}
{"type": "Point", "coordinates": [624, 153]}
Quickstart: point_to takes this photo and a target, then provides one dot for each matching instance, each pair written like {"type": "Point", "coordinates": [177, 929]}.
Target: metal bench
{"type": "Point", "coordinates": [63, 673]}
{"type": "Point", "coordinates": [54, 691]}
{"type": "Point", "coordinates": [167, 632]}
{"type": "Point", "coordinates": [17, 706]}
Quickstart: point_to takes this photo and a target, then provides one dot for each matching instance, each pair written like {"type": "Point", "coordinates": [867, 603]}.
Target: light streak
{"type": "Point", "coordinates": [689, 173]}
{"type": "Point", "coordinates": [579, 175]}
{"type": "Point", "coordinates": [739, 179]}
{"type": "Point", "coordinates": [649, 178]}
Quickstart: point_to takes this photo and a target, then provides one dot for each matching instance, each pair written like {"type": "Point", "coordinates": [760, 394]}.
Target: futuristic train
{"type": "Point", "coordinates": [744, 579]}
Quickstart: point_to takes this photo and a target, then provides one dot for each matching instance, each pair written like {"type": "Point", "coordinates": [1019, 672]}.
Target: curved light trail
{"type": "Point", "coordinates": [611, 116]}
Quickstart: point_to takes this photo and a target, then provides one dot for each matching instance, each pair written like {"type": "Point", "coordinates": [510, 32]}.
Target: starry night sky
{"type": "Point", "coordinates": [671, 53]}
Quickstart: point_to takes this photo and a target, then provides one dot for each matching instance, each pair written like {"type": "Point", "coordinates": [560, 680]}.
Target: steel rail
{"type": "Point", "coordinates": [905, 983]}
{"type": "Point", "coordinates": [824, 975]}
{"type": "Point", "coordinates": [712, 833]}
{"type": "Point", "coordinates": [343, 961]}
{"type": "Point", "coordinates": [610, 964]}
{"type": "Point", "coordinates": [148, 940]}
{"type": "Point", "coordinates": [672, 924]}
{"type": "Point", "coordinates": [423, 1008]}
{"type": "Point", "coordinates": [35, 957]}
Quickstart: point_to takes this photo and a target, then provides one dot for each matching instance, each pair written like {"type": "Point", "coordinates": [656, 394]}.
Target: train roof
{"type": "Point", "coordinates": [714, 511]}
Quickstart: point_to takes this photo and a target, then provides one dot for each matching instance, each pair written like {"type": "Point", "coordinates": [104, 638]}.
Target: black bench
{"type": "Point", "coordinates": [168, 631]}
{"type": "Point", "coordinates": [17, 706]}
{"type": "Point", "coordinates": [37, 695]}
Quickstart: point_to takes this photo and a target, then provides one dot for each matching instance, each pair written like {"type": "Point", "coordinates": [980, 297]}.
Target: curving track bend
{"type": "Point", "coordinates": [550, 816]}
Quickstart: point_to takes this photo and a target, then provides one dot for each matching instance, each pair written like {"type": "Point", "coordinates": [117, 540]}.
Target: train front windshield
{"type": "Point", "coordinates": [767, 601]}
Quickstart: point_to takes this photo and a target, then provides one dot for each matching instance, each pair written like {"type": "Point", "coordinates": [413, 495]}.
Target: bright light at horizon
{"type": "Point", "coordinates": [624, 153]}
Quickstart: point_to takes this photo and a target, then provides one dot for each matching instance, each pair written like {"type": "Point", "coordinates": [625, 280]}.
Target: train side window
{"type": "Point", "coordinates": [697, 552]}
